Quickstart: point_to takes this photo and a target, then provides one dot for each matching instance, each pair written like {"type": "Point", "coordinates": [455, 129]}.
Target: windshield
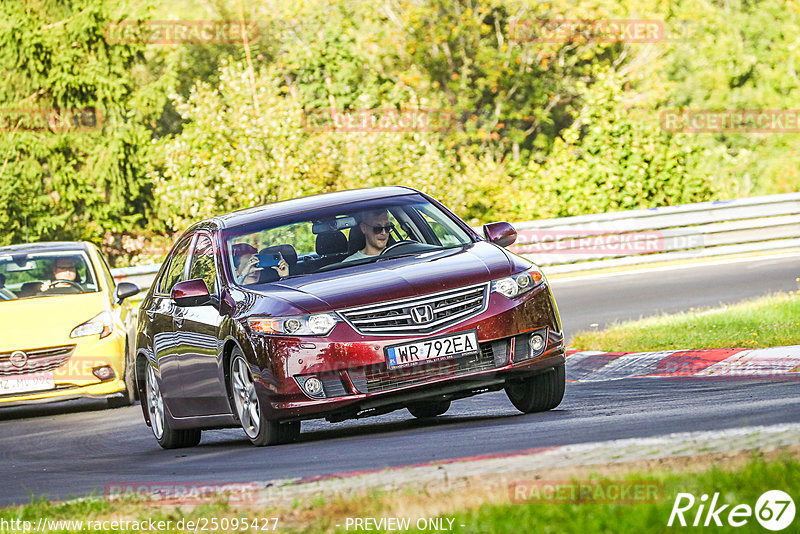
{"type": "Point", "coordinates": [45, 274]}
{"type": "Point", "coordinates": [339, 238]}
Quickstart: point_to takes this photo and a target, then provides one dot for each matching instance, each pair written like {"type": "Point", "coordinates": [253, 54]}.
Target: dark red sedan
{"type": "Point", "coordinates": [340, 306]}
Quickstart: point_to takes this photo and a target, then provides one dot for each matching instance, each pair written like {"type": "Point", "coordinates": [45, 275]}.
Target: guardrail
{"type": "Point", "coordinates": [141, 275]}
{"type": "Point", "coordinates": [660, 234]}
{"type": "Point", "coordinates": [622, 238]}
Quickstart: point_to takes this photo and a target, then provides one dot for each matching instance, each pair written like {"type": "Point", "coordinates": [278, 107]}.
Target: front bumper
{"type": "Point", "coordinates": [353, 369]}
{"type": "Point", "coordinates": [71, 371]}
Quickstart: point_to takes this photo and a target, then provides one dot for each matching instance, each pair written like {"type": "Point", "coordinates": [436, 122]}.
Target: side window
{"type": "Point", "coordinates": [203, 263]}
{"type": "Point", "coordinates": [444, 234]}
{"type": "Point", "coordinates": [174, 271]}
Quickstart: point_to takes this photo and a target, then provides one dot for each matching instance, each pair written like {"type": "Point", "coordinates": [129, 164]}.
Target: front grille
{"type": "Point", "coordinates": [376, 377]}
{"type": "Point", "coordinates": [419, 315]}
{"type": "Point", "coordinates": [38, 360]}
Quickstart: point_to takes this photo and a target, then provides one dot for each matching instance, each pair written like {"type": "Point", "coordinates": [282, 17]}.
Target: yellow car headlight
{"type": "Point", "coordinates": [101, 324]}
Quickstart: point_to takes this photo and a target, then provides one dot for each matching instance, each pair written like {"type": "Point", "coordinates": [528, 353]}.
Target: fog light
{"type": "Point", "coordinates": [104, 372]}
{"type": "Point", "coordinates": [313, 386]}
{"type": "Point", "coordinates": [536, 343]}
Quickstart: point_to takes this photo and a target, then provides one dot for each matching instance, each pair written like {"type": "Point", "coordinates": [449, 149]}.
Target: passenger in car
{"type": "Point", "coordinates": [5, 294]}
{"type": "Point", "coordinates": [245, 262]}
{"type": "Point", "coordinates": [376, 228]}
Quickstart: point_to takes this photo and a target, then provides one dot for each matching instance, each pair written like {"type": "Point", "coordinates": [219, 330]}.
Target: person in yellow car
{"type": "Point", "coordinates": [65, 275]}
{"type": "Point", "coordinates": [5, 294]}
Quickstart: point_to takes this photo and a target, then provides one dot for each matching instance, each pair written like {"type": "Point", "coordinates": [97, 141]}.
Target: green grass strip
{"type": "Point", "coordinates": [770, 321]}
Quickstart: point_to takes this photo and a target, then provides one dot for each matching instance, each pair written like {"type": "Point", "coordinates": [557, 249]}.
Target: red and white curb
{"type": "Point", "coordinates": [591, 366]}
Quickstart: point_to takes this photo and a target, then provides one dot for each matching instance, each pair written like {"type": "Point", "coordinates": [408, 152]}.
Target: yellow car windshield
{"type": "Point", "coordinates": [45, 274]}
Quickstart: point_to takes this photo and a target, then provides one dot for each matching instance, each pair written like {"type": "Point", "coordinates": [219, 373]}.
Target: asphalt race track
{"type": "Point", "coordinates": [73, 449]}
{"type": "Point", "coordinates": [630, 295]}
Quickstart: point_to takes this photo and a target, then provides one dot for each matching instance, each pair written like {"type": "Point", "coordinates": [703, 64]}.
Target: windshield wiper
{"type": "Point", "coordinates": [343, 264]}
{"type": "Point", "coordinates": [434, 248]}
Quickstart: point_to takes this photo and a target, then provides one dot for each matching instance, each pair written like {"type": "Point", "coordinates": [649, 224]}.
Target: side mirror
{"type": "Point", "coordinates": [500, 233]}
{"type": "Point", "coordinates": [226, 304]}
{"type": "Point", "coordinates": [191, 293]}
{"type": "Point", "coordinates": [125, 290]}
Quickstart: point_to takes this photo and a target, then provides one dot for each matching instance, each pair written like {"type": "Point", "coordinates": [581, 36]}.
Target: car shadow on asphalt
{"type": "Point", "coordinates": [354, 429]}
{"type": "Point", "coordinates": [31, 411]}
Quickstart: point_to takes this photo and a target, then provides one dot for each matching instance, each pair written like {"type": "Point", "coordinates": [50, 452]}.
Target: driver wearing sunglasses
{"type": "Point", "coordinates": [376, 228]}
{"type": "Point", "coordinates": [65, 274]}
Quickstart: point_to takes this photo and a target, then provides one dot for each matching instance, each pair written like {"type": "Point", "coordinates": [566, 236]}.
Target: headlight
{"type": "Point", "coordinates": [507, 287]}
{"type": "Point", "coordinates": [101, 324]}
{"type": "Point", "coordinates": [518, 284]}
{"type": "Point", "coordinates": [318, 324]}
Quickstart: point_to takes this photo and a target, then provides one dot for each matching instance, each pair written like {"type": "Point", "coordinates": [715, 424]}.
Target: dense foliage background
{"type": "Point", "coordinates": [533, 129]}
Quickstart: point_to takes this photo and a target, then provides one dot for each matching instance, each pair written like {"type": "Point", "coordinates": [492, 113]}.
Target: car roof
{"type": "Point", "coordinates": [309, 203]}
{"type": "Point", "coordinates": [52, 246]}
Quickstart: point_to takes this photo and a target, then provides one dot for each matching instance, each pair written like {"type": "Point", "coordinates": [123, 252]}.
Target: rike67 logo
{"type": "Point", "coordinates": [774, 510]}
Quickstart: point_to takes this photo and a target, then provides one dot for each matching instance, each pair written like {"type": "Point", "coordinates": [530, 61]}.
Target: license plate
{"type": "Point", "coordinates": [24, 383]}
{"type": "Point", "coordinates": [438, 348]}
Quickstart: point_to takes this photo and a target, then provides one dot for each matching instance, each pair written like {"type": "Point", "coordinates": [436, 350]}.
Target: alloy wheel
{"type": "Point", "coordinates": [155, 403]}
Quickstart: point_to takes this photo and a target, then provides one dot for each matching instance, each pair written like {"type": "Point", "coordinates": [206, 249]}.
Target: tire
{"type": "Point", "coordinates": [537, 393]}
{"type": "Point", "coordinates": [128, 396]}
{"type": "Point", "coordinates": [247, 408]}
{"type": "Point", "coordinates": [167, 437]}
{"type": "Point", "coordinates": [289, 432]}
{"type": "Point", "coordinates": [428, 409]}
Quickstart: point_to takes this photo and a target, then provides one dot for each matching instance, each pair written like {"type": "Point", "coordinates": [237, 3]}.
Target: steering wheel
{"type": "Point", "coordinates": [56, 284]}
{"type": "Point", "coordinates": [398, 244]}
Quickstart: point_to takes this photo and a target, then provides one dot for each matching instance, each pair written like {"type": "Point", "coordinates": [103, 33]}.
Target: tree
{"type": "Point", "coordinates": [74, 138]}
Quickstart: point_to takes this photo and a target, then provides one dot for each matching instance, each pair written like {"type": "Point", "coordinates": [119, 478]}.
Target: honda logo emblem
{"type": "Point", "coordinates": [422, 314]}
{"type": "Point", "coordinates": [18, 359]}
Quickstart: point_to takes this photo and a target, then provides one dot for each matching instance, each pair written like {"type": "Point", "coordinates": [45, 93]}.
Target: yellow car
{"type": "Point", "coordinates": [65, 326]}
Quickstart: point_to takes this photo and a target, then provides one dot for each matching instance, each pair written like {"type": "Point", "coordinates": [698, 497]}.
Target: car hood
{"type": "Point", "coordinates": [390, 279]}
{"type": "Point", "coordinates": [46, 321]}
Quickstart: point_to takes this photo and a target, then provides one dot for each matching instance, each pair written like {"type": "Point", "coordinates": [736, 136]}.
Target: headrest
{"type": "Point", "coordinates": [29, 289]}
{"type": "Point", "coordinates": [331, 243]}
{"type": "Point", "coordinates": [356, 241]}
